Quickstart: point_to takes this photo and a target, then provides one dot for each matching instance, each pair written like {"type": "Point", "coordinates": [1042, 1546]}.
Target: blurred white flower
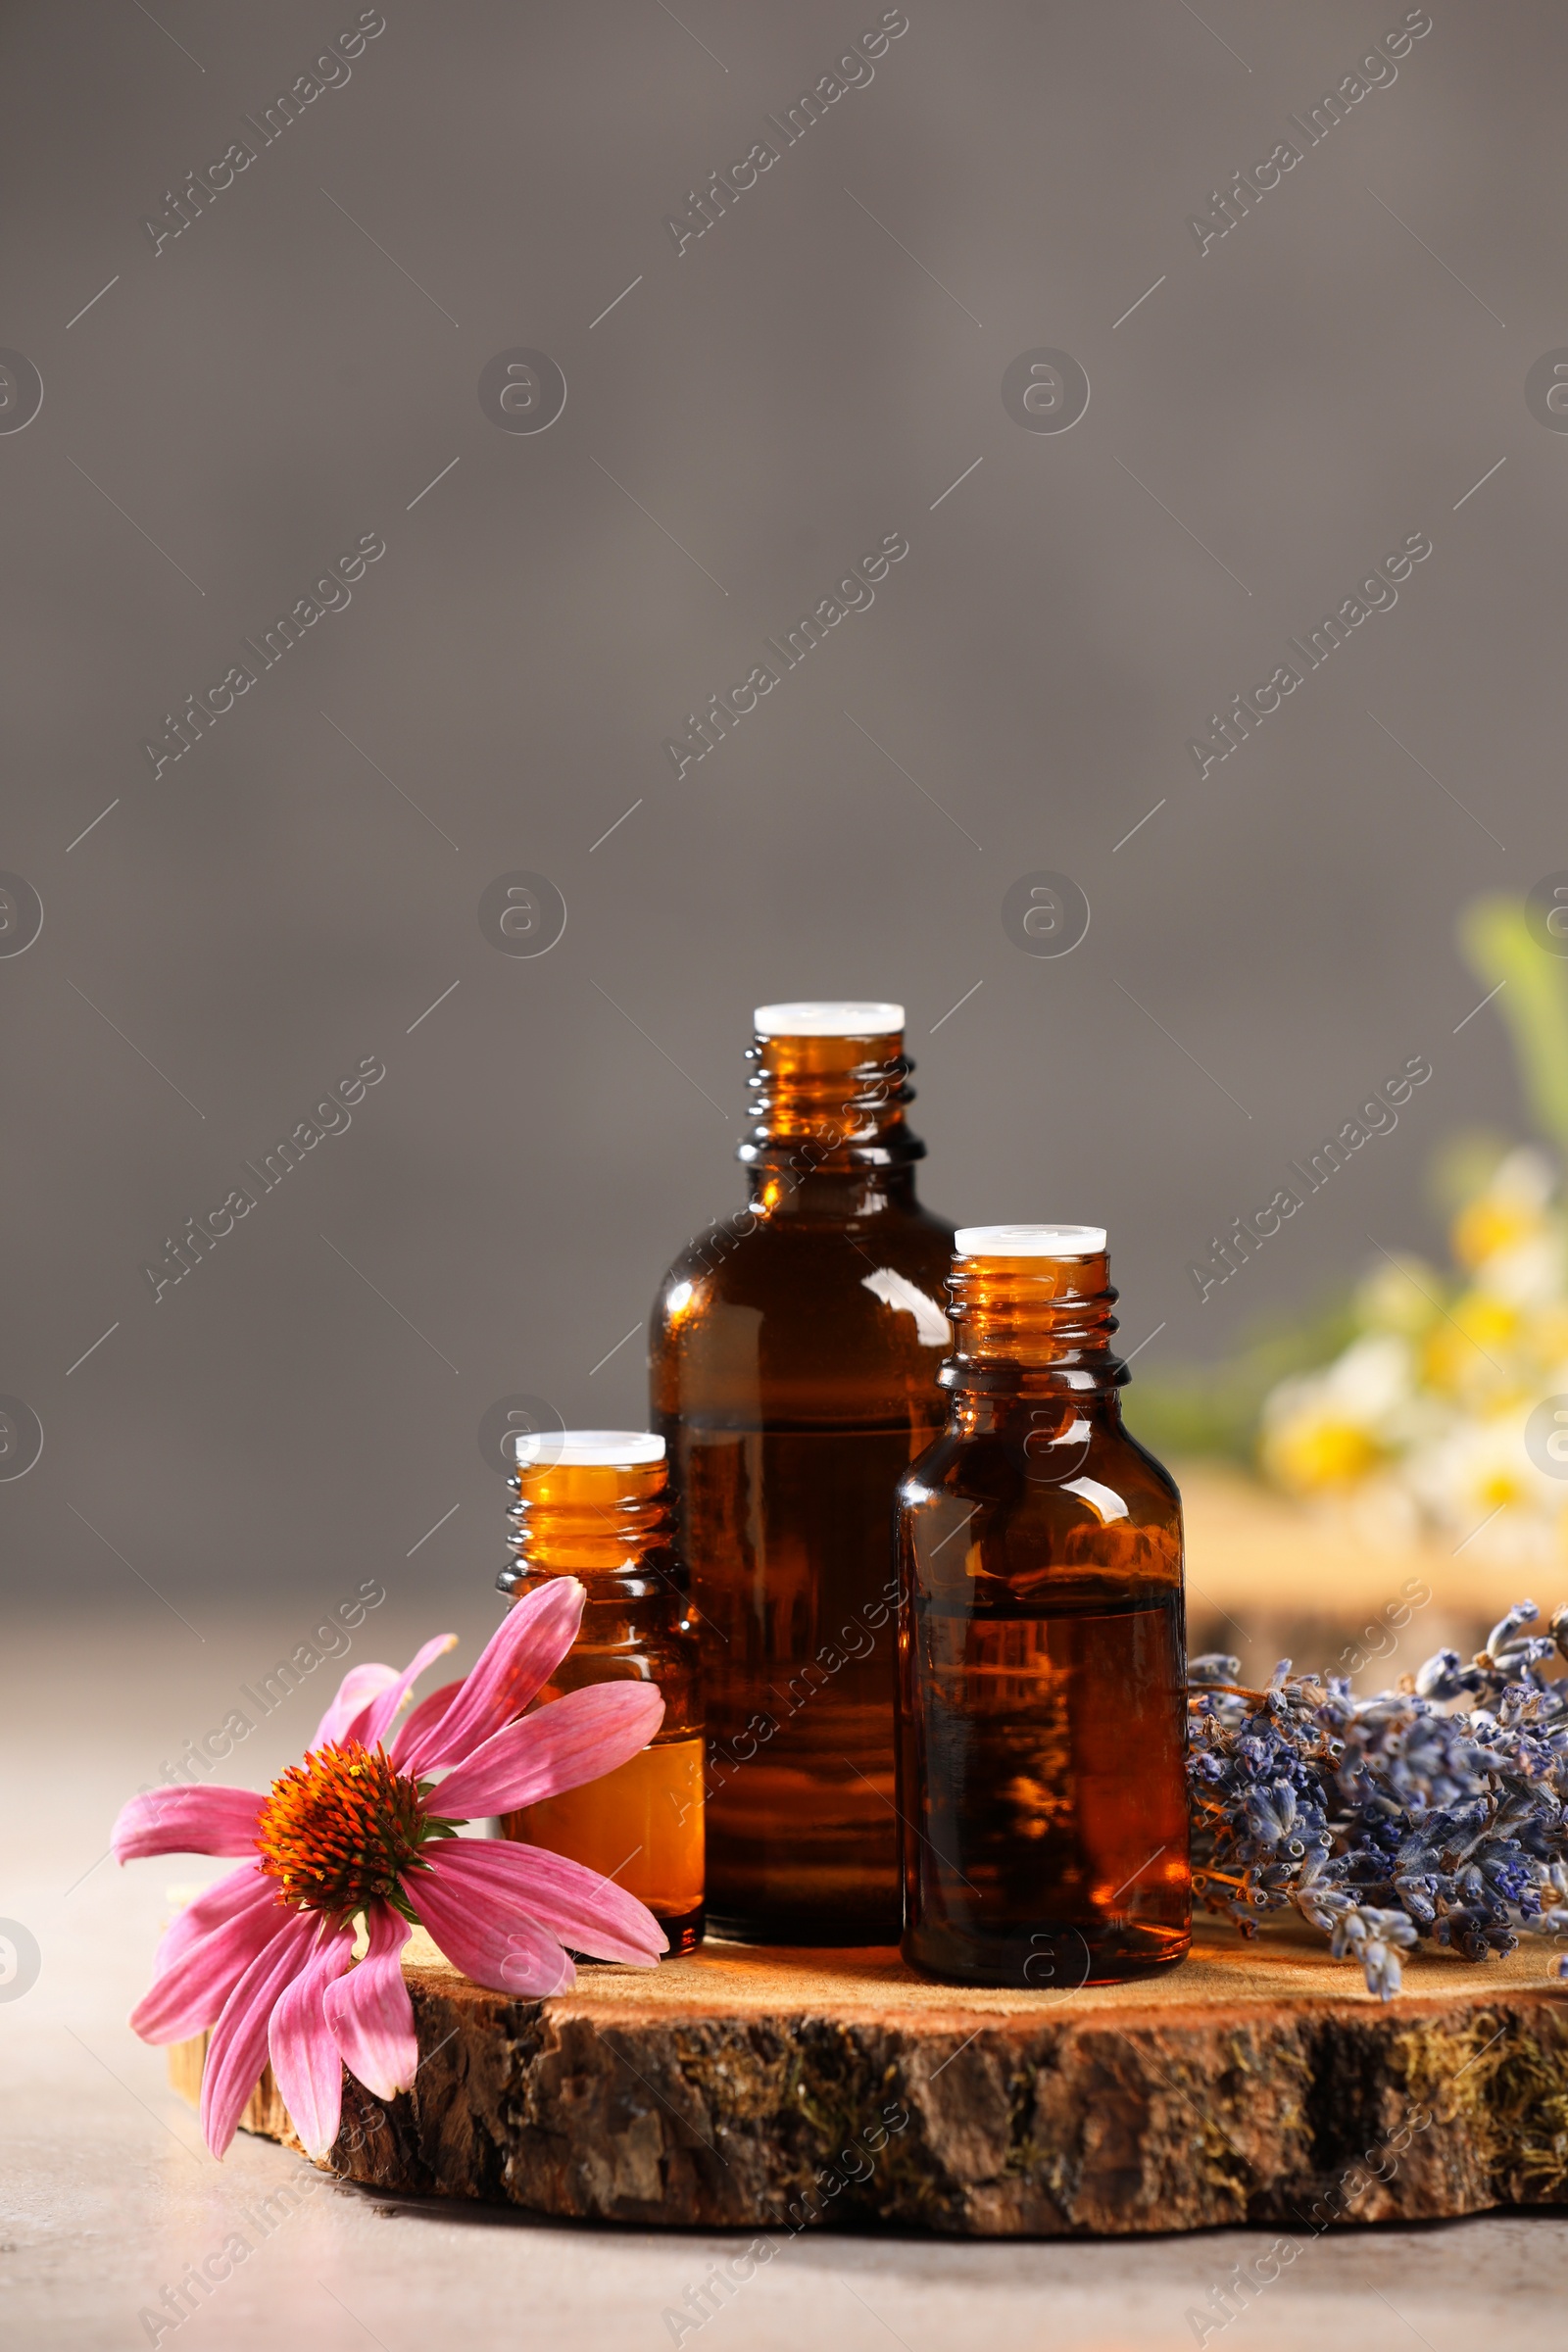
{"type": "Point", "coordinates": [1477, 1482]}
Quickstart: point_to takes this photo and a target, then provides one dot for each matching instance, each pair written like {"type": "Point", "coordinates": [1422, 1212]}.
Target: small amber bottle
{"type": "Point", "coordinates": [593, 1503]}
{"type": "Point", "coordinates": [1042, 1657]}
{"type": "Point", "coordinates": [793, 1357]}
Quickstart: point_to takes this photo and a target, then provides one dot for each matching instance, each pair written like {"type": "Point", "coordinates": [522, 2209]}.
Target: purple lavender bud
{"type": "Point", "coordinates": [1503, 1632]}
{"type": "Point", "coordinates": [1519, 1656]}
{"type": "Point", "coordinates": [1446, 1676]}
{"type": "Point", "coordinates": [1384, 1975]}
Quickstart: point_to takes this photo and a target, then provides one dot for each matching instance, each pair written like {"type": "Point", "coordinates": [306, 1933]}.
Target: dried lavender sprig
{"type": "Point", "coordinates": [1393, 1820]}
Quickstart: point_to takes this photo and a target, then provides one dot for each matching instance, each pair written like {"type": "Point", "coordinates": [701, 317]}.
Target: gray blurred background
{"type": "Point", "coordinates": [226, 416]}
{"type": "Point", "coordinates": [744, 418]}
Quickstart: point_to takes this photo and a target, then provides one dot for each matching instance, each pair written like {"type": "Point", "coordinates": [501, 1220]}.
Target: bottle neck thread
{"type": "Point", "coordinates": [597, 1523]}
{"type": "Point", "coordinates": [1033, 1325]}
{"type": "Point", "coordinates": [833, 1103]}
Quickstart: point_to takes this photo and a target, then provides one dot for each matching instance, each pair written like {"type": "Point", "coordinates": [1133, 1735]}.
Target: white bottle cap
{"type": "Point", "coordinates": [591, 1449]}
{"type": "Point", "coordinates": [843, 1018]}
{"type": "Point", "coordinates": [1030, 1240]}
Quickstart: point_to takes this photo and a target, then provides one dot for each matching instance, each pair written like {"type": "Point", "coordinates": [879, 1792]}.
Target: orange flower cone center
{"type": "Point", "coordinates": [340, 1830]}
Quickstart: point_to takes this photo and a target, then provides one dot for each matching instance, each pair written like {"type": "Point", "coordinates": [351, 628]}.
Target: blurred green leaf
{"type": "Point", "coordinates": [1216, 1408]}
{"type": "Point", "coordinates": [1462, 1164]}
{"type": "Point", "coordinates": [1533, 1003]}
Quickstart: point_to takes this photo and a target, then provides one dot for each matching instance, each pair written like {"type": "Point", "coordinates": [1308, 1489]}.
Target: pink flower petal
{"type": "Point", "coordinates": [306, 2065]}
{"type": "Point", "coordinates": [580, 1906]}
{"type": "Point", "coordinates": [576, 1738]}
{"type": "Point", "coordinates": [186, 1821]}
{"type": "Point", "coordinates": [236, 1891]}
{"type": "Point", "coordinates": [421, 1720]}
{"type": "Point", "coordinates": [516, 1663]}
{"type": "Point", "coordinates": [190, 1990]}
{"type": "Point", "coordinates": [237, 2051]}
{"type": "Point", "coordinates": [374, 1722]}
{"type": "Point", "coordinates": [358, 1688]}
{"type": "Point", "coordinates": [495, 1944]}
{"type": "Point", "coordinates": [368, 2012]}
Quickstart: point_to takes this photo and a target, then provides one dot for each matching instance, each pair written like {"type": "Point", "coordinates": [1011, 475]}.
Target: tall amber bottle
{"type": "Point", "coordinates": [594, 1503]}
{"type": "Point", "coordinates": [1042, 1642]}
{"type": "Point", "coordinates": [794, 1355]}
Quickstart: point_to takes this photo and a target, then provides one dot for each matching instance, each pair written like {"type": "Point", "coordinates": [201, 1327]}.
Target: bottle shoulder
{"type": "Point", "coordinates": [1153, 1468]}
{"type": "Point", "coordinates": [736, 1257]}
{"type": "Point", "coordinates": [794, 1274]}
{"type": "Point", "coordinates": [1108, 1503]}
{"type": "Point", "coordinates": [803, 1316]}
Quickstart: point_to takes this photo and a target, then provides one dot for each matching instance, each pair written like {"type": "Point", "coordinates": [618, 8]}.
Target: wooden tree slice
{"type": "Point", "coordinates": [1253, 1551]}
{"type": "Point", "coordinates": [779, 2090]}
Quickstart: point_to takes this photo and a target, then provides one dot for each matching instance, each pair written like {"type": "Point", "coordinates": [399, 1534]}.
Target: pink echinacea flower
{"type": "Point", "coordinates": [264, 1956]}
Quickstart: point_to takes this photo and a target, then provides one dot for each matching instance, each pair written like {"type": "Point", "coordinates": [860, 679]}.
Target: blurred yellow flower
{"type": "Point", "coordinates": [1309, 1456]}
{"type": "Point", "coordinates": [1488, 1226]}
{"type": "Point", "coordinates": [1427, 1407]}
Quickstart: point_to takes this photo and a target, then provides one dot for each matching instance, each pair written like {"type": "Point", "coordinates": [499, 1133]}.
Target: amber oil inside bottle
{"type": "Point", "coordinates": [795, 1348]}
{"type": "Point", "coordinates": [595, 1505]}
{"type": "Point", "coordinates": [1042, 1644]}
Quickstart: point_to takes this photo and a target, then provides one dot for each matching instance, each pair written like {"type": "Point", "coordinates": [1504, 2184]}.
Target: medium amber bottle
{"type": "Point", "coordinates": [1042, 1657]}
{"type": "Point", "coordinates": [794, 1356]}
{"type": "Point", "coordinates": [594, 1503]}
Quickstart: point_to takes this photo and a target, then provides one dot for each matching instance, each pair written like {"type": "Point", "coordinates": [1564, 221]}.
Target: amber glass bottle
{"type": "Point", "coordinates": [794, 1350]}
{"type": "Point", "coordinates": [1041, 1657]}
{"type": "Point", "coordinates": [593, 1503]}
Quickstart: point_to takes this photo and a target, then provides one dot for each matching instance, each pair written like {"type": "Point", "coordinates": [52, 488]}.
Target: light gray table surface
{"type": "Point", "coordinates": [110, 2196]}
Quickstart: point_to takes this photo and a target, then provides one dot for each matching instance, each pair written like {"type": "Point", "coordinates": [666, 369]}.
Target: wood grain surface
{"type": "Point", "coordinates": [781, 2090]}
